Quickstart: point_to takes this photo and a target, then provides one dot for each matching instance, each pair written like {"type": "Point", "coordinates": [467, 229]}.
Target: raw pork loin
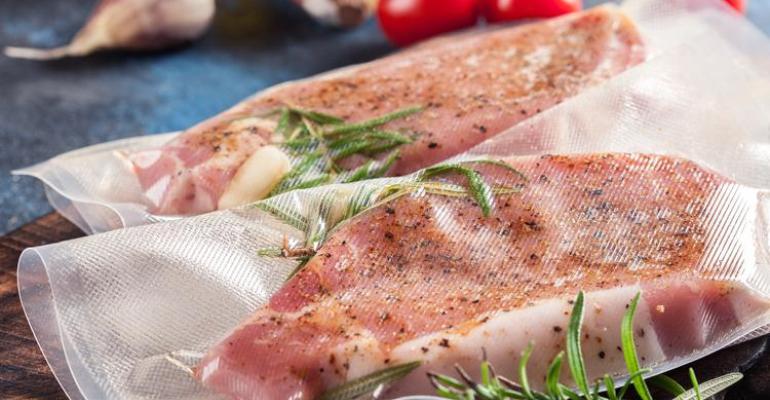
{"type": "Point", "coordinates": [427, 277]}
{"type": "Point", "coordinates": [472, 85]}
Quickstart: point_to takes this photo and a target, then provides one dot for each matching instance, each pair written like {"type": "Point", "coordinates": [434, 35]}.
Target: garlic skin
{"type": "Point", "coordinates": [133, 25]}
{"type": "Point", "coordinates": [256, 177]}
{"type": "Point", "coordinates": [342, 13]}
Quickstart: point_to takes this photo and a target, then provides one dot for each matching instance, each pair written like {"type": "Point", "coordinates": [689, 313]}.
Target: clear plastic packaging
{"type": "Point", "coordinates": [126, 313]}
{"type": "Point", "coordinates": [98, 199]}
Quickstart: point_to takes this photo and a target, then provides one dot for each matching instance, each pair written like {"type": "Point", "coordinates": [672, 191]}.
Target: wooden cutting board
{"type": "Point", "coordinates": [24, 373]}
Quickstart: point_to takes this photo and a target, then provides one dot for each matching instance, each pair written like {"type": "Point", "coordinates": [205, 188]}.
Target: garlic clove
{"type": "Point", "coordinates": [256, 177]}
{"type": "Point", "coordinates": [131, 24]}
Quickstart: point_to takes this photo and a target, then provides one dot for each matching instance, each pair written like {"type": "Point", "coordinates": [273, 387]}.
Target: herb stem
{"type": "Point", "coordinates": [372, 123]}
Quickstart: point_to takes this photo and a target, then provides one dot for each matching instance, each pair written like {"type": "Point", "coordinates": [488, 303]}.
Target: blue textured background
{"type": "Point", "coordinates": [52, 107]}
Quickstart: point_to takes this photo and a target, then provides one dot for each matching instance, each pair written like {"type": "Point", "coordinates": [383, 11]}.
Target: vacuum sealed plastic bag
{"type": "Point", "coordinates": [656, 182]}
{"type": "Point", "coordinates": [433, 101]}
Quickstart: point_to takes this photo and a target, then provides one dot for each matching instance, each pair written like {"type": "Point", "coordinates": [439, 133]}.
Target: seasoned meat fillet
{"type": "Point", "coordinates": [473, 86]}
{"type": "Point", "coordinates": [427, 277]}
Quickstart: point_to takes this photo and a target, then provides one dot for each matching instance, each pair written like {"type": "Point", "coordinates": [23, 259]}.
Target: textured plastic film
{"type": "Point", "coordinates": [659, 184]}
{"type": "Point", "coordinates": [93, 187]}
{"type": "Point", "coordinates": [98, 199]}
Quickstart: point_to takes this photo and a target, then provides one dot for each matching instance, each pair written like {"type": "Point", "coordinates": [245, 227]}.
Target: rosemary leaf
{"type": "Point", "coordinates": [448, 394]}
{"type": "Point", "coordinates": [552, 376]}
{"type": "Point", "coordinates": [479, 190]}
{"type": "Point", "coordinates": [318, 117]}
{"type": "Point", "coordinates": [506, 393]}
{"type": "Point", "coordinates": [609, 383]}
{"type": "Point", "coordinates": [352, 148]}
{"type": "Point", "coordinates": [695, 387]}
{"type": "Point", "coordinates": [369, 383]}
{"type": "Point", "coordinates": [383, 166]}
{"type": "Point", "coordinates": [358, 203]}
{"type": "Point", "coordinates": [372, 123]}
{"type": "Point", "coordinates": [711, 387]}
{"type": "Point", "coordinates": [666, 383]}
{"type": "Point", "coordinates": [299, 143]}
{"type": "Point", "coordinates": [390, 136]}
{"type": "Point", "coordinates": [361, 173]}
{"type": "Point", "coordinates": [630, 381]}
{"type": "Point", "coordinates": [574, 351]}
{"type": "Point", "coordinates": [523, 378]}
{"type": "Point", "coordinates": [485, 375]}
{"type": "Point", "coordinates": [270, 252]}
{"type": "Point", "coordinates": [284, 123]}
{"type": "Point", "coordinates": [378, 148]}
{"type": "Point", "coordinates": [344, 142]}
{"type": "Point", "coordinates": [324, 220]}
{"type": "Point", "coordinates": [571, 395]}
{"type": "Point", "coordinates": [295, 133]}
{"type": "Point", "coordinates": [289, 181]}
{"type": "Point", "coordinates": [443, 380]}
{"type": "Point", "coordinates": [499, 163]}
{"type": "Point", "coordinates": [303, 166]}
{"type": "Point", "coordinates": [629, 349]}
{"type": "Point", "coordinates": [311, 183]}
{"type": "Point", "coordinates": [597, 386]}
{"type": "Point", "coordinates": [294, 219]}
{"type": "Point", "coordinates": [311, 128]}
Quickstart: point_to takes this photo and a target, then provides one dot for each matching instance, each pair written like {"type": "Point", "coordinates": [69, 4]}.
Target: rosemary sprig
{"type": "Point", "coordinates": [477, 187]}
{"type": "Point", "coordinates": [372, 123]}
{"type": "Point", "coordinates": [666, 383]}
{"type": "Point", "coordinates": [319, 141]}
{"type": "Point", "coordinates": [372, 169]}
{"type": "Point", "coordinates": [294, 219]}
{"type": "Point", "coordinates": [493, 387]}
{"type": "Point", "coordinates": [369, 383]}
{"type": "Point", "coordinates": [317, 227]}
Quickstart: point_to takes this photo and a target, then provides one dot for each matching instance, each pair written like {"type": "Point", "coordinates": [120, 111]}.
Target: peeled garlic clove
{"type": "Point", "coordinates": [256, 177]}
{"type": "Point", "coordinates": [131, 24]}
{"type": "Point", "coordinates": [343, 13]}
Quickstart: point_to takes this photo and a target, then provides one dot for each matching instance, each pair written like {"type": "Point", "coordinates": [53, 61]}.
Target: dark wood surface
{"type": "Point", "coordinates": [24, 373]}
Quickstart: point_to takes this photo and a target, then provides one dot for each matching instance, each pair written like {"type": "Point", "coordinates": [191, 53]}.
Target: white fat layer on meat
{"type": "Point", "coordinates": [737, 245]}
{"type": "Point", "coordinates": [536, 61]}
{"type": "Point", "coordinates": [251, 122]}
{"type": "Point", "coordinates": [145, 159]}
{"type": "Point", "coordinates": [612, 45]}
{"type": "Point", "coordinates": [360, 354]}
{"type": "Point", "coordinates": [730, 224]}
{"type": "Point", "coordinates": [505, 334]}
{"type": "Point", "coordinates": [209, 368]}
{"type": "Point", "coordinates": [749, 309]}
{"type": "Point", "coordinates": [155, 192]}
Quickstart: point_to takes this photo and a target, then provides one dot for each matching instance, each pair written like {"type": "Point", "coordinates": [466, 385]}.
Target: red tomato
{"type": "Point", "coordinates": [408, 21]}
{"type": "Point", "coordinates": [507, 10]}
{"type": "Point", "coordinates": [739, 5]}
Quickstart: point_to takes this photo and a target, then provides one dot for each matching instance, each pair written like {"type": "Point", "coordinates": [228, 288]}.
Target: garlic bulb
{"type": "Point", "coordinates": [131, 24]}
